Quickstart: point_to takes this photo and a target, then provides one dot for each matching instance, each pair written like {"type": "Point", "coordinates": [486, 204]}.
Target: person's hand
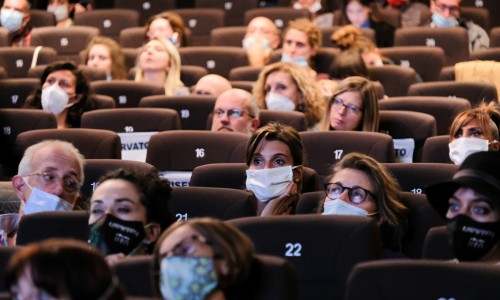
{"type": "Point", "coordinates": [258, 55]}
{"type": "Point", "coordinates": [112, 259]}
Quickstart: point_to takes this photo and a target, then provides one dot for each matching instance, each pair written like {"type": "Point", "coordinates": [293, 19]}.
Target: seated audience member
{"type": "Point", "coordinates": [470, 202]}
{"type": "Point", "coordinates": [49, 178]}
{"type": "Point", "coordinates": [15, 17]}
{"type": "Point", "coordinates": [286, 86]}
{"type": "Point", "coordinates": [261, 38]}
{"type": "Point", "coordinates": [319, 14]}
{"type": "Point", "coordinates": [413, 12]}
{"type": "Point", "coordinates": [361, 186]}
{"type": "Point", "coordinates": [348, 63]}
{"type": "Point", "coordinates": [65, 92]}
{"type": "Point", "coordinates": [301, 41]}
{"type": "Point", "coordinates": [61, 269]}
{"type": "Point", "coordinates": [105, 54]}
{"type": "Point", "coordinates": [235, 110]}
{"type": "Point", "coordinates": [128, 212]}
{"type": "Point", "coordinates": [62, 10]}
{"type": "Point", "coordinates": [206, 253]}
{"type": "Point", "coordinates": [446, 13]}
{"type": "Point", "coordinates": [354, 106]}
{"type": "Point", "coordinates": [366, 14]}
{"type": "Point", "coordinates": [474, 130]}
{"type": "Point", "coordinates": [274, 175]}
{"type": "Point", "coordinates": [167, 25]}
{"type": "Point", "coordinates": [211, 84]}
{"type": "Point", "coordinates": [160, 63]}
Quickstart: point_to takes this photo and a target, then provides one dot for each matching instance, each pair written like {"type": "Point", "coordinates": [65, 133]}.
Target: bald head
{"type": "Point", "coordinates": [235, 110]}
{"type": "Point", "coordinates": [212, 84]}
{"type": "Point", "coordinates": [262, 27]}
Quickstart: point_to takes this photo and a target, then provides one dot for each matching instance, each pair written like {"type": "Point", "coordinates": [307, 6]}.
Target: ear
{"type": "Point", "coordinates": [153, 232]}
{"type": "Point", "coordinates": [297, 174]}
{"type": "Point", "coordinates": [255, 124]}
{"type": "Point", "coordinates": [494, 146]}
{"type": "Point", "coordinates": [78, 97]}
{"type": "Point", "coordinates": [19, 186]}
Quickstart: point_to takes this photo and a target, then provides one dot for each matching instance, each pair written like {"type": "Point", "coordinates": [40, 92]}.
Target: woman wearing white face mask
{"type": "Point", "coordinates": [274, 176]}
{"type": "Point", "coordinates": [360, 186]}
{"type": "Point", "coordinates": [285, 86]}
{"type": "Point", "coordinates": [474, 130]}
{"type": "Point", "coordinates": [61, 10]}
{"type": "Point", "coordinates": [65, 92]}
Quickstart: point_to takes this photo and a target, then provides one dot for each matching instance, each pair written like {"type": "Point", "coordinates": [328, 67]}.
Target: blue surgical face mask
{"type": "Point", "coordinates": [11, 19]}
{"type": "Point", "coordinates": [40, 201]}
{"type": "Point", "coordinates": [299, 60]}
{"type": "Point", "coordinates": [186, 277]}
{"type": "Point", "coordinates": [441, 21]}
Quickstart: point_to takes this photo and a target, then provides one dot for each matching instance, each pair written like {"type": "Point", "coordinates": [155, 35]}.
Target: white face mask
{"type": "Point", "coordinates": [279, 102]}
{"type": "Point", "coordinates": [340, 207]}
{"type": "Point", "coordinates": [40, 201]}
{"type": "Point", "coordinates": [461, 148]}
{"type": "Point", "coordinates": [248, 42]}
{"type": "Point", "coordinates": [267, 184]}
{"type": "Point", "coordinates": [11, 19]}
{"type": "Point", "coordinates": [60, 11]}
{"type": "Point", "coordinates": [55, 99]}
{"type": "Point", "coordinates": [312, 9]}
{"type": "Point", "coordinates": [298, 60]}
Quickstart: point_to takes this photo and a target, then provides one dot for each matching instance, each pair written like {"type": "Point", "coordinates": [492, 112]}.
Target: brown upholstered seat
{"type": "Point", "coordinates": [14, 92]}
{"type": "Point", "coordinates": [436, 150]}
{"type": "Point", "coordinates": [281, 16]}
{"type": "Point", "coordinates": [234, 9]}
{"type": "Point", "coordinates": [217, 60]}
{"type": "Point", "coordinates": [109, 21]}
{"type": "Point", "coordinates": [126, 93]}
{"type": "Point", "coordinates": [41, 18]}
{"type": "Point", "coordinates": [389, 75]}
{"type": "Point", "coordinates": [201, 22]}
{"type": "Point", "coordinates": [17, 61]}
{"type": "Point", "coordinates": [229, 36]}
{"type": "Point", "coordinates": [475, 92]}
{"type": "Point", "coordinates": [146, 8]}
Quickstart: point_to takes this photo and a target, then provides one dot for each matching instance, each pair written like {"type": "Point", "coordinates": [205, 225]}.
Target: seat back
{"type": "Point", "coordinates": [233, 175]}
{"type": "Point", "coordinates": [95, 168]}
{"type": "Point", "coordinates": [45, 225]}
{"type": "Point", "coordinates": [436, 150]}
{"type": "Point", "coordinates": [17, 61]}
{"type": "Point", "coordinates": [103, 101]}
{"type": "Point", "coordinates": [92, 143]}
{"type": "Point", "coordinates": [292, 118]}
{"type": "Point", "coordinates": [495, 37]}
{"type": "Point", "coordinates": [126, 93]}
{"type": "Point", "coordinates": [201, 22]}
{"type": "Point", "coordinates": [68, 42]}
{"type": "Point", "coordinates": [453, 40]}
{"type": "Point", "coordinates": [422, 279]}
{"type": "Point", "coordinates": [192, 109]}
{"type": "Point", "coordinates": [191, 74]}
{"type": "Point", "coordinates": [5, 254]}
{"type": "Point", "coordinates": [14, 92]}
{"type": "Point", "coordinates": [229, 36]}
{"type": "Point", "coordinates": [443, 109]}
{"type": "Point", "coordinates": [109, 21]}
{"type": "Point", "coordinates": [220, 203]}
{"type": "Point", "coordinates": [15, 121]}
{"type": "Point", "coordinates": [415, 178]}
{"type": "Point", "coordinates": [426, 61]}
{"type": "Point", "coordinates": [217, 59]}
{"type": "Point", "coordinates": [322, 264]}
{"type": "Point", "coordinates": [132, 37]}
{"type": "Point", "coordinates": [41, 18]}
{"type": "Point", "coordinates": [246, 73]}
{"type": "Point", "coordinates": [235, 10]}
{"type": "Point", "coordinates": [487, 54]}
{"type": "Point", "coordinates": [478, 15]}
{"type": "Point", "coordinates": [281, 16]}
{"type": "Point", "coordinates": [135, 275]}
{"type": "Point", "coordinates": [145, 8]}
{"type": "Point", "coordinates": [475, 92]}
{"type": "Point", "coordinates": [408, 130]}
{"type": "Point", "coordinates": [388, 74]}
{"type": "Point", "coordinates": [325, 148]}
{"type": "Point", "coordinates": [436, 244]}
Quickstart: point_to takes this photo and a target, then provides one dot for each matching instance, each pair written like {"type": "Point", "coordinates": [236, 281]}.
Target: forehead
{"type": "Point", "coordinates": [269, 148]}
{"type": "Point", "coordinates": [355, 5]}
{"type": "Point", "coordinates": [352, 177]}
{"type": "Point", "coordinates": [17, 4]}
{"type": "Point", "coordinates": [351, 97]}
{"type": "Point", "coordinates": [175, 237]}
{"type": "Point", "coordinates": [100, 48]}
{"type": "Point", "coordinates": [260, 22]}
{"type": "Point", "coordinates": [472, 123]}
{"type": "Point", "coordinates": [62, 75]}
{"type": "Point", "coordinates": [448, 2]}
{"type": "Point", "coordinates": [280, 76]}
{"type": "Point", "coordinates": [296, 35]}
{"type": "Point", "coordinates": [155, 44]}
{"type": "Point", "coordinates": [54, 158]}
{"type": "Point", "coordinates": [160, 22]}
{"type": "Point", "coordinates": [116, 189]}
{"type": "Point", "coordinates": [231, 100]}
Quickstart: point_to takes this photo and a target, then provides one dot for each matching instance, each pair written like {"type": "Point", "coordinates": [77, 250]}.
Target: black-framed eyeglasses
{"type": "Point", "coordinates": [453, 9]}
{"type": "Point", "coordinates": [356, 194]}
{"type": "Point", "coordinates": [186, 247]}
{"type": "Point", "coordinates": [351, 108]}
{"type": "Point", "coordinates": [231, 113]}
{"type": "Point", "coordinates": [47, 179]}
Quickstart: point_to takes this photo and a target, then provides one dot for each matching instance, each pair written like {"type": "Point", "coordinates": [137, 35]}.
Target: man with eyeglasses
{"type": "Point", "coordinates": [236, 110]}
{"type": "Point", "coordinates": [446, 13]}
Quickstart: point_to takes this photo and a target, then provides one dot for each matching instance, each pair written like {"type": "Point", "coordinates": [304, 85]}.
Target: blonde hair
{"type": "Point", "coordinates": [173, 72]}
{"type": "Point", "coordinates": [485, 114]}
{"type": "Point", "coordinates": [313, 32]}
{"type": "Point", "coordinates": [118, 67]}
{"type": "Point", "coordinates": [368, 94]}
{"type": "Point", "coordinates": [311, 93]}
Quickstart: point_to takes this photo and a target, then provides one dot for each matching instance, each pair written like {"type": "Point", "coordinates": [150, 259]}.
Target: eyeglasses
{"type": "Point", "coordinates": [186, 247]}
{"type": "Point", "coordinates": [231, 113]}
{"type": "Point", "coordinates": [47, 179]}
{"type": "Point", "coordinates": [356, 194]}
{"type": "Point", "coordinates": [453, 9]}
{"type": "Point", "coordinates": [351, 108]}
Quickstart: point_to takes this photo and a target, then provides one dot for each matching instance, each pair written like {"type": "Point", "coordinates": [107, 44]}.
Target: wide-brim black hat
{"type": "Point", "coordinates": [479, 171]}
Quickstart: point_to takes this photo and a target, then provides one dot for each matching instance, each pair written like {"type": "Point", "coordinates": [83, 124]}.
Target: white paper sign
{"type": "Point", "coordinates": [404, 150]}
{"type": "Point", "coordinates": [135, 145]}
{"type": "Point", "coordinates": [177, 178]}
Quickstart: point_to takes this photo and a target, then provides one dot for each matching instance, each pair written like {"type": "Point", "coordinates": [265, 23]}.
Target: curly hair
{"type": "Point", "coordinates": [118, 66]}
{"type": "Point", "coordinates": [312, 31]}
{"type": "Point", "coordinates": [313, 106]}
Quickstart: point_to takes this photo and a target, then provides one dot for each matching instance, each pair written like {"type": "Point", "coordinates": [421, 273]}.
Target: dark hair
{"type": "Point", "coordinates": [154, 193]}
{"type": "Point", "coordinates": [348, 63]}
{"type": "Point", "coordinates": [82, 88]}
{"type": "Point", "coordinates": [66, 269]}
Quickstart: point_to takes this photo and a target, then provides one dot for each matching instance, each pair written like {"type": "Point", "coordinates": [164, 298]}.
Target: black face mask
{"type": "Point", "coordinates": [113, 235]}
{"type": "Point", "coordinates": [471, 240]}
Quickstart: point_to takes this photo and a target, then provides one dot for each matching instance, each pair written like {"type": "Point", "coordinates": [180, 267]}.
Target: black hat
{"type": "Point", "coordinates": [479, 171]}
